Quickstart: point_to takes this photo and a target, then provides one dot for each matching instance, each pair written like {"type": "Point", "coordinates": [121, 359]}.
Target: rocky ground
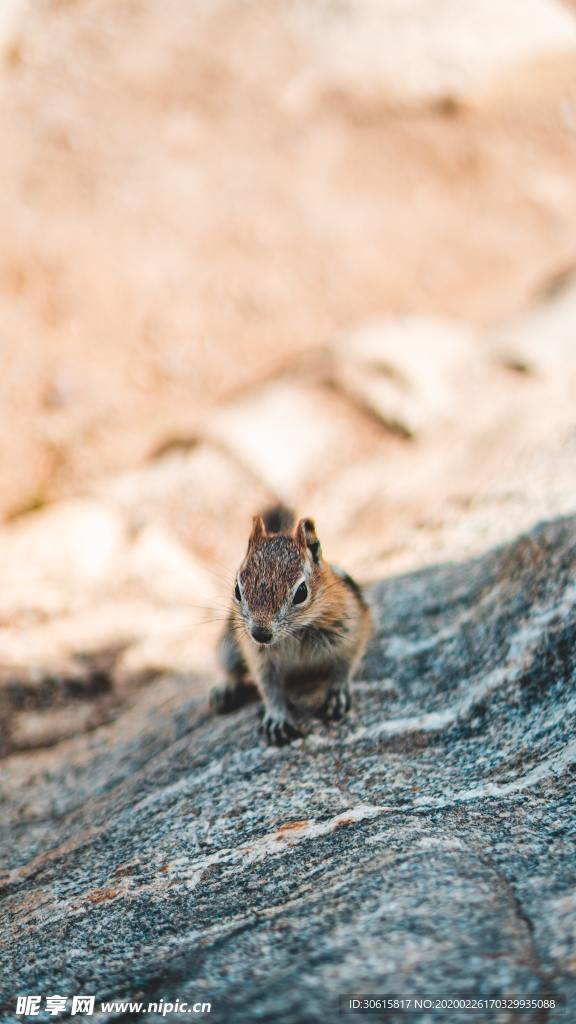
{"type": "Point", "coordinates": [426, 846]}
{"type": "Point", "coordinates": [245, 259]}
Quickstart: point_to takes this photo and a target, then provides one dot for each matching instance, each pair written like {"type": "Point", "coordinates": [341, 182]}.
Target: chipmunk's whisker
{"type": "Point", "coordinates": [206, 607]}
{"type": "Point", "coordinates": [203, 622]}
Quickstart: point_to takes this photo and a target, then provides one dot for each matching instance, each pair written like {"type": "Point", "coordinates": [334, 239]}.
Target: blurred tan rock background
{"type": "Point", "coordinates": [317, 251]}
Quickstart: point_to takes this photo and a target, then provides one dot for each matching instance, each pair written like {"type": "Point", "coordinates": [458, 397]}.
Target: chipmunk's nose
{"type": "Point", "coordinates": [261, 635]}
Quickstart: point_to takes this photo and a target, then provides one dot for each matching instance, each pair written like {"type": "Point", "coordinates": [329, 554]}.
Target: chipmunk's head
{"type": "Point", "coordinates": [276, 583]}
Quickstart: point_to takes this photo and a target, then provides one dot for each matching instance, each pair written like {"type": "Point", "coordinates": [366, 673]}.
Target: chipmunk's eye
{"type": "Point", "coordinates": [237, 593]}
{"type": "Point", "coordinates": [301, 594]}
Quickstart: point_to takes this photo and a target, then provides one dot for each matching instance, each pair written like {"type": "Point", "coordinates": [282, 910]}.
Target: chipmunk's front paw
{"type": "Point", "coordinates": [337, 704]}
{"type": "Point", "coordinates": [278, 731]}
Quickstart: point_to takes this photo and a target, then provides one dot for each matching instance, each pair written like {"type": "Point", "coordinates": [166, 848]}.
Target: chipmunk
{"type": "Point", "coordinates": [297, 629]}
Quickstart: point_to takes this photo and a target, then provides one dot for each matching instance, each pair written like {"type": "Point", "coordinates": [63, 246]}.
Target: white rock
{"type": "Point", "coordinates": [543, 340]}
{"type": "Point", "coordinates": [163, 567]}
{"type": "Point", "coordinates": [418, 51]}
{"type": "Point", "coordinates": [46, 557]}
{"type": "Point", "coordinates": [11, 15]}
{"type": "Point", "coordinates": [292, 435]}
{"type": "Point", "coordinates": [412, 372]}
{"type": "Point", "coordinates": [203, 497]}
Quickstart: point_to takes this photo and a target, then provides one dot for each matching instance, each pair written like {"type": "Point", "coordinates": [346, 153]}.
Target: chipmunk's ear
{"type": "Point", "coordinates": [258, 531]}
{"type": "Point", "coordinates": [307, 540]}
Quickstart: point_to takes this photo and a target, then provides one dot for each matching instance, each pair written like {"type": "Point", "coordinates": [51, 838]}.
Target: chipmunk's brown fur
{"type": "Point", "coordinates": [297, 629]}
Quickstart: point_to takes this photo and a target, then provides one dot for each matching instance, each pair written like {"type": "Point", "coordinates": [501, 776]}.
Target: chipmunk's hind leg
{"type": "Point", "coordinates": [238, 689]}
{"type": "Point", "coordinates": [337, 703]}
{"type": "Point", "coordinates": [338, 697]}
{"type": "Point", "coordinates": [232, 695]}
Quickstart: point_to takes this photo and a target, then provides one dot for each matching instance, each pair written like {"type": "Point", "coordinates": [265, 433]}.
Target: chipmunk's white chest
{"type": "Point", "coordinates": [292, 654]}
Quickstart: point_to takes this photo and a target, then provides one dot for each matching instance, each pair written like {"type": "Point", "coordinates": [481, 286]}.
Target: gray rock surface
{"type": "Point", "coordinates": [423, 847]}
